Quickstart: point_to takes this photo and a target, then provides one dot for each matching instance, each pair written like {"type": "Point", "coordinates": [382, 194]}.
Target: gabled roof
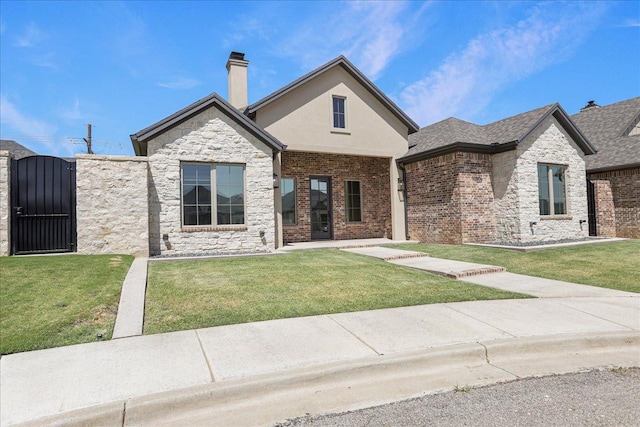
{"type": "Point", "coordinates": [141, 138]}
{"type": "Point", "coordinates": [453, 134]}
{"type": "Point", "coordinates": [343, 62]}
{"type": "Point", "coordinates": [18, 151]}
{"type": "Point", "coordinates": [608, 129]}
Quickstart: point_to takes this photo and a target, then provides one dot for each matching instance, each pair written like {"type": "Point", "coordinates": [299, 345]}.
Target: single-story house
{"type": "Point", "coordinates": [330, 156]}
{"type": "Point", "coordinates": [614, 172]}
{"type": "Point", "coordinates": [313, 160]}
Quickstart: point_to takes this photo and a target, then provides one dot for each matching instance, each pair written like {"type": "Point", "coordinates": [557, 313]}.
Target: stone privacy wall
{"type": "Point", "coordinates": [549, 144]}
{"type": "Point", "coordinates": [373, 174]}
{"type": "Point", "coordinates": [450, 199]}
{"type": "Point", "coordinates": [5, 202]}
{"type": "Point", "coordinates": [209, 137]}
{"type": "Point", "coordinates": [112, 208]}
{"type": "Point", "coordinates": [618, 202]}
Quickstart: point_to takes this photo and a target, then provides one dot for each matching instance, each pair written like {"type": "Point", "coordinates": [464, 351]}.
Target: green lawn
{"type": "Point", "coordinates": [51, 301]}
{"type": "Point", "coordinates": [614, 265]}
{"type": "Point", "coordinates": [203, 293]}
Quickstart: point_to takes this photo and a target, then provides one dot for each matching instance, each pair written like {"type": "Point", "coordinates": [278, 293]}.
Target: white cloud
{"type": "Point", "coordinates": [31, 37]}
{"type": "Point", "coordinates": [369, 33]}
{"type": "Point", "coordinates": [180, 83]}
{"type": "Point", "coordinates": [74, 113]}
{"type": "Point", "coordinates": [37, 134]}
{"type": "Point", "coordinates": [467, 80]}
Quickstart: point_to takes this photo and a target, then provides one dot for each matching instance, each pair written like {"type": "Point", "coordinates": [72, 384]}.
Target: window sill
{"type": "Point", "coordinates": [556, 218]}
{"type": "Point", "coordinates": [289, 225]}
{"type": "Point", "coordinates": [341, 131]}
{"type": "Point", "coordinates": [214, 228]}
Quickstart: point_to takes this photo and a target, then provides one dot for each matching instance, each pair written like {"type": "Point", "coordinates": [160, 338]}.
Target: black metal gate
{"type": "Point", "coordinates": [43, 205]}
{"type": "Point", "coordinates": [591, 208]}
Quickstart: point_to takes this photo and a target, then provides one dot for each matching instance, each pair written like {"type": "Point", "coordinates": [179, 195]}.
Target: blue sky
{"type": "Point", "coordinates": [123, 66]}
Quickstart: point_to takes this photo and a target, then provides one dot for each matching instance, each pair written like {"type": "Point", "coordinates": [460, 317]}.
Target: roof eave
{"type": "Point", "coordinates": [563, 118]}
{"type": "Point", "coordinates": [140, 138]}
{"type": "Point", "coordinates": [613, 168]}
{"type": "Point", "coordinates": [458, 146]}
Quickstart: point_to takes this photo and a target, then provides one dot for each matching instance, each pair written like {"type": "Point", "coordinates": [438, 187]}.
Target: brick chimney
{"type": "Point", "coordinates": [237, 80]}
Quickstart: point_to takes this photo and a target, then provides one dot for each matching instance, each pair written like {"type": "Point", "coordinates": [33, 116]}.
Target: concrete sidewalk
{"type": "Point", "coordinates": [265, 372]}
{"type": "Point", "coordinates": [266, 359]}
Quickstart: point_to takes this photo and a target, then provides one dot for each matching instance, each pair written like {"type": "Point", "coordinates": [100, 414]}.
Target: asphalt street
{"type": "Point", "coordinates": [595, 398]}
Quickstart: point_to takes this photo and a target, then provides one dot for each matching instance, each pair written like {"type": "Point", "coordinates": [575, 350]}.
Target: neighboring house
{"type": "Point", "coordinates": [313, 160]}
{"type": "Point", "coordinates": [614, 172]}
{"type": "Point", "coordinates": [521, 179]}
{"type": "Point", "coordinates": [17, 151]}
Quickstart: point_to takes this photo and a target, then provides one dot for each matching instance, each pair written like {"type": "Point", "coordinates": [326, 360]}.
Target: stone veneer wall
{"type": "Point", "coordinates": [549, 144]}
{"type": "Point", "coordinates": [209, 137]}
{"type": "Point", "coordinates": [450, 200]}
{"type": "Point", "coordinates": [373, 174]}
{"type": "Point", "coordinates": [617, 195]}
{"type": "Point", "coordinates": [112, 205]}
{"type": "Point", "coordinates": [5, 202]}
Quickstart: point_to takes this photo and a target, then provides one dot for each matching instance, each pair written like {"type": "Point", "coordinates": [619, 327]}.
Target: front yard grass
{"type": "Point", "coordinates": [614, 265]}
{"type": "Point", "coordinates": [204, 293]}
{"type": "Point", "coordinates": [51, 301]}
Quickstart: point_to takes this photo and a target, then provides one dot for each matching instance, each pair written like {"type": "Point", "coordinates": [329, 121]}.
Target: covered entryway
{"type": "Point", "coordinates": [43, 205]}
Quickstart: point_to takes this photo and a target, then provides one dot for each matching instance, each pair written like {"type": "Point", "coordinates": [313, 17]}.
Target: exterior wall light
{"type": "Point", "coordinates": [400, 184]}
{"type": "Point", "coordinates": [276, 181]}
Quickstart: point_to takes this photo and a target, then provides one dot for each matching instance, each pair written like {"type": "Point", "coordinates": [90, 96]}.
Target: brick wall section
{"type": "Point", "coordinates": [112, 205]}
{"type": "Point", "coordinates": [209, 137]}
{"type": "Point", "coordinates": [372, 172]}
{"type": "Point", "coordinates": [604, 208]}
{"type": "Point", "coordinates": [618, 191]}
{"type": "Point", "coordinates": [450, 199]}
{"type": "Point", "coordinates": [5, 203]}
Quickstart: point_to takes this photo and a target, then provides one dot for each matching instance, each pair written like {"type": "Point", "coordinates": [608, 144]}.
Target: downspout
{"type": "Point", "coordinates": [404, 196]}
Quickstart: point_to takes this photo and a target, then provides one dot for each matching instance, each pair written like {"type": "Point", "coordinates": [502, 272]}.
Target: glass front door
{"type": "Point", "coordinates": [320, 207]}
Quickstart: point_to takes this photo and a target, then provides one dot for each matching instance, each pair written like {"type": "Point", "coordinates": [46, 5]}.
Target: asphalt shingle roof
{"type": "Point", "coordinates": [497, 136]}
{"type": "Point", "coordinates": [607, 129]}
{"type": "Point", "coordinates": [19, 151]}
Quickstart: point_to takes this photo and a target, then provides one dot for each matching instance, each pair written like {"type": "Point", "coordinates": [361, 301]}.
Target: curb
{"type": "Point", "coordinates": [361, 383]}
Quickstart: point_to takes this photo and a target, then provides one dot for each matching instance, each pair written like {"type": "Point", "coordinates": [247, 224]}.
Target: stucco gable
{"type": "Point", "coordinates": [345, 64]}
{"type": "Point", "coordinates": [214, 100]}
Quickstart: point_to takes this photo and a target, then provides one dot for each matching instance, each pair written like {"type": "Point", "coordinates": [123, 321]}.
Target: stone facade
{"type": "Point", "coordinates": [549, 144]}
{"type": "Point", "coordinates": [209, 137]}
{"type": "Point", "coordinates": [450, 199]}
{"type": "Point", "coordinates": [5, 203]}
{"type": "Point", "coordinates": [617, 197]}
{"type": "Point", "coordinates": [479, 198]}
{"type": "Point", "coordinates": [112, 208]}
{"type": "Point", "coordinates": [373, 174]}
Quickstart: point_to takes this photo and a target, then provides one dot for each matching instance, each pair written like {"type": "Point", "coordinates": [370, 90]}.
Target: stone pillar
{"type": "Point", "coordinates": [605, 208]}
{"type": "Point", "coordinates": [5, 203]}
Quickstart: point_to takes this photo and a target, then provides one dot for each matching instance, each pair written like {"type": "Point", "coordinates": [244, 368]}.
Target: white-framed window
{"type": "Point", "coordinates": [288, 190]}
{"type": "Point", "coordinates": [339, 109]}
{"type": "Point", "coordinates": [198, 182]}
{"type": "Point", "coordinates": [552, 194]}
{"type": "Point", "coordinates": [353, 201]}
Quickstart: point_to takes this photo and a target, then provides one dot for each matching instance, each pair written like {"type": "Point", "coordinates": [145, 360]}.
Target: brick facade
{"type": "Point", "coordinates": [617, 197]}
{"type": "Point", "coordinates": [373, 174]}
{"type": "Point", "coordinates": [450, 199]}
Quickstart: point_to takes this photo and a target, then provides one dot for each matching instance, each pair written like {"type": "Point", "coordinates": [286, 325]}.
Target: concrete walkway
{"type": "Point", "coordinates": [130, 317]}
{"type": "Point", "coordinates": [265, 372]}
